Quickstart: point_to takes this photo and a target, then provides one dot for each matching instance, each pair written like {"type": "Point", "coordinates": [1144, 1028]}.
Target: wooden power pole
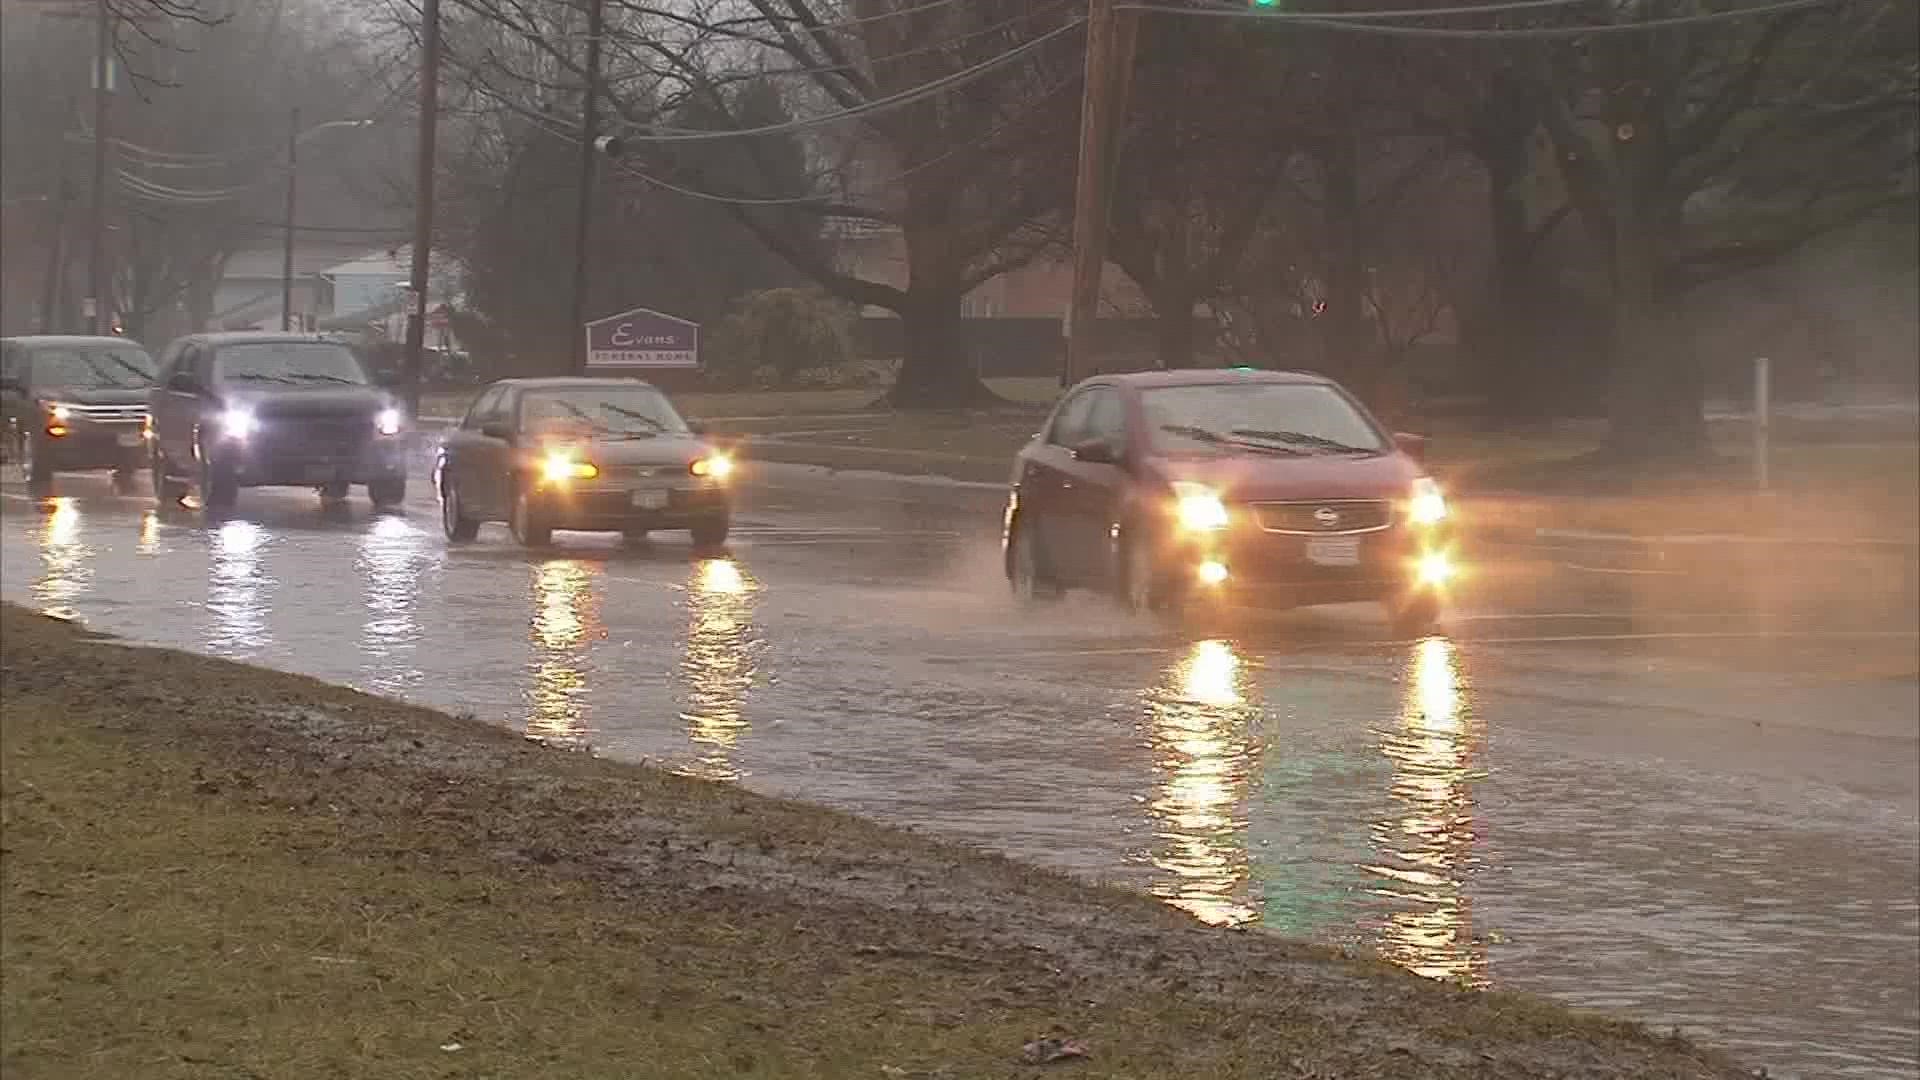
{"type": "Point", "coordinates": [1109, 58]}
{"type": "Point", "coordinates": [423, 200]}
{"type": "Point", "coordinates": [286, 225]}
{"type": "Point", "coordinates": [583, 219]}
{"type": "Point", "coordinates": [99, 282]}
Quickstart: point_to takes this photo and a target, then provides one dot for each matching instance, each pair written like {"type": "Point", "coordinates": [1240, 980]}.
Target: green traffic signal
{"type": "Point", "coordinates": [1265, 3]}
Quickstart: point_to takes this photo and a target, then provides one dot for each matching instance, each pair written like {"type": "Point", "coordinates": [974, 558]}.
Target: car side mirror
{"type": "Point", "coordinates": [1414, 446]}
{"type": "Point", "coordinates": [497, 429]}
{"type": "Point", "coordinates": [183, 383]}
{"type": "Point", "coordinates": [1096, 452]}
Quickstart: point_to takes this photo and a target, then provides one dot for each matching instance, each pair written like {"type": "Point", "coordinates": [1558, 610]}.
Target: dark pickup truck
{"type": "Point", "coordinates": [260, 409]}
{"type": "Point", "coordinates": [73, 404]}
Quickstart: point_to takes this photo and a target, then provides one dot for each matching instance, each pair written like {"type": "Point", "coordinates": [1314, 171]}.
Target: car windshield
{"type": "Point", "coordinates": [1240, 417]}
{"type": "Point", "coordinates": [93, 367]}
{"type": "Point", "coordinates": [295, 363]}
{"type": "Point", "coordinates": [601, 411]}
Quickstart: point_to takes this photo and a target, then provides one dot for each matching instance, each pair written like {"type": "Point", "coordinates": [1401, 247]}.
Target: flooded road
{"type": "Point", "coordinates": [1698, 806]}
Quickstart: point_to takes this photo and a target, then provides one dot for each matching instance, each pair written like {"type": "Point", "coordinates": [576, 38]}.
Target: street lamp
{"type": "Point", "coordinates": [295, 137]}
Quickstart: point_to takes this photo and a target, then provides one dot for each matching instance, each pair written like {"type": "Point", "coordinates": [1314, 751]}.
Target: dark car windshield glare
{"type": "Point", "coordinates": [637, 412]}
{"type": "Point", "coordinates": [93, 367]}
{"type": "Point", "coordinates": [1295, 418]}
{"type": "Point", "coordinates": [295, 363]}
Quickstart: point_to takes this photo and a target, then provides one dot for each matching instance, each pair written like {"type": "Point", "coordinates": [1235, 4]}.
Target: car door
{"type": "Point", "coordinates": [1043, 483]}
{"type": "Point", "coordinates": [1094, 485]}
{"type": "Point", "coordinates": [484, 458]}
{"type": "Point", "coordinates": [175, 404]}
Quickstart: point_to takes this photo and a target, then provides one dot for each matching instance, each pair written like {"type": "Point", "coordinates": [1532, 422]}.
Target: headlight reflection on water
{"type": "Point", "coordinates": [566, 618]}
{"type": "Point", "coordinates": [238, 594]}
{"type": "Point", "coordinates": [1424, 847]}
{"type": "Point", "coordinates": [65, 558]}
{"type": "Point", "coordinates": [1197, 724]}
{"type": "Point", "coordinates": [391, 554]}
{"type": "Point", "coordinates": [719, 668]}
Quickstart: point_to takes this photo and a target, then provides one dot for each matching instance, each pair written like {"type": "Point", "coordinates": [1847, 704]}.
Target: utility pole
{"type": "Point", "coordinates": [589, 152]}
{"type": "Point", "coordinates": [286, 253]}
{"type": "Point", "coordinates": [100, 286]}
{"type": "Point", "coordinates": [423, 199]}
{"type": "Point", "coordinates": [1109, 52]}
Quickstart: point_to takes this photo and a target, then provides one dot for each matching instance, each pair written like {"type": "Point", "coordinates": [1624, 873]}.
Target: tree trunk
{"type": "Point", "coordinates": [1346, 341]}
{"type": "Point", "coordinates": [1512, 380]}
{"type": "Point", "coordinates": [1173, 329]}
{"type": "Point", "coordinates": [935, 370]}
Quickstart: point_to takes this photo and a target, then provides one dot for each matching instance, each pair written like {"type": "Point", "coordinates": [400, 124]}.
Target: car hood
{"type": "Point", "coordinates": [1272, 477]}
{"type": "Point", "coordinates": [308, 401]}
{"type": "Point", "coordinates": [614, 453]}
{"type": "Point", "coordinates": [91, 395]}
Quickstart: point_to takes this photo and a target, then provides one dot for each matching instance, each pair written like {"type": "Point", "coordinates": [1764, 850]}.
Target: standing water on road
{"type": "Point", "coordinates": [1524, 803]}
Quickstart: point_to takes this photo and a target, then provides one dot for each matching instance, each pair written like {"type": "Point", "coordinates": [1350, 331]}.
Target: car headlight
{"type": "Point", "coordinates": [62, 413]}
{"type": "Point", "coordinates": [1426, 506]}
{"type": "Point", "coordinates": [387, 422]}
{"type": "Point", "coordinates": [238, 423]}
{"type": "Point", "coordinates": [559, 466]}
{"type": "Point", "coordinates": [1198, 508]}
{"type": "Point", "coordinates": [713, 467]}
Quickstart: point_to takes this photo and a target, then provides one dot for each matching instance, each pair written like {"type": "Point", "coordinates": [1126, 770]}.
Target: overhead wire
{"type": "Point", "coordinates": [1348, 23]}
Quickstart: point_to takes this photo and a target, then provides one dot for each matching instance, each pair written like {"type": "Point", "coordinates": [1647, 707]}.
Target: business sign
{"type": "Point", "coordinates": [643, 339]}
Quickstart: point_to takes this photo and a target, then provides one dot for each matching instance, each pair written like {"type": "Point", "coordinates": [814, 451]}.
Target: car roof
{"type": "Point", "coordinates": [562, 382]}
{"type": "Point", "coordinates": [262, 337]}
{"type": "Point", "coordinates": [1145, 380]}
{"type": "Point", "coordinates": [70, 339]}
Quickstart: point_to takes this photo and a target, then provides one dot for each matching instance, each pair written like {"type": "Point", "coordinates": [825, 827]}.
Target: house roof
{"type": "Point", "coordinates": [382, 263]}
{"type": "Point", "coordinates": [265, 263]}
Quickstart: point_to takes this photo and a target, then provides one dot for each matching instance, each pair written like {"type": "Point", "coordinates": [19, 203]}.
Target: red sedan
{"type": "Point", "coordinates": [1279, 488]}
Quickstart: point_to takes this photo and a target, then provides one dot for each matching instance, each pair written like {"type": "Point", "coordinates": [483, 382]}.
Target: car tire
{"type": "Point", "coordinates": [124, 482]}
{"type": "Point", "coordinates": [1027, 573]}
{"type": "Point", "coordinates": [453, 515]}
{"type": "Point", "coordinates": [710, 533]}
{"type": "Point", "coordinates": [1417, 615]}
{"type": "Point", "coordinates": [1141, 590]}
{"type": "Point", "coordinates": [529, 528]}
{"type": "Point", "coordinates": [167, 491]}
{"type": "Point", "coordinates": [335, 491]}
{"type": "Point", "coordinates": [35, 464]}
{"type": "Point", "coordinates": [219, 489]}
{"type": "Point", "coordinates": [388, 492]}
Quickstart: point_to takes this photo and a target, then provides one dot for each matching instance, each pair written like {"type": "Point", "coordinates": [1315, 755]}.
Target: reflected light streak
{"type": "Point", "coordinates": [391, 554]}
{"type": "Point", "coordinates": [66, 560]}
{"type": "Point", "coordinates": [718, 667]}
{"type": "Point", "coordinates": [1425, 846]}
{"type": "Point", "coordinates": [1197, 720]}
{"type": "Point", "coordinates": [236, 590]}
{"type": "Point", "coordinates": [149, 543]}
{"type": "Point", "coordinates": [566, 600]}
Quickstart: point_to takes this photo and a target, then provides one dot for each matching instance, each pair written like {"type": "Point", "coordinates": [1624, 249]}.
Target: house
{"type": "Point", "coordinates": [248, 295]}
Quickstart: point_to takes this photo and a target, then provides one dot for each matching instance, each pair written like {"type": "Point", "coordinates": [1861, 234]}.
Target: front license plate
{"type": "Point", "coordinates": [131, 439]}
{"type": "Point", "coordinates": [649, 500]}
{"type": "Point", "coordinates": [1334, 550]}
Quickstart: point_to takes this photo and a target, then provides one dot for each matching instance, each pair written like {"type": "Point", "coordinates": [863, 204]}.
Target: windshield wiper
{"type": "Point", "coordinates": [1301, 438]}
{"type": "Point", "coordinates": [1200, 434]}
{"type": "Point", "coordinates": [656, 425]}
{"type": "Point", "coordinates": [318, 376]}
{"type": "Point", "coordinates": [256, 376]}
{"type": "Point", "coordinates": [145, 377]}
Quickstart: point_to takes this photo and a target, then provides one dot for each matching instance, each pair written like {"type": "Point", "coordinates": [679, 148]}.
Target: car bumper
{"type": "Point", "coordinates": [1290, 569]}
{"type": "Point", "coordinates": [291, 464]}
{"type": "Point", "coordinates": [614, 509]}
{"type": "Point", "coordinates": [94, 446]}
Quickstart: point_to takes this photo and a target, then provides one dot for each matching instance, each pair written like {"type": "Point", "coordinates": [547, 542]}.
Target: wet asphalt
{"type": "Point", "coordinates": [1686, 793]}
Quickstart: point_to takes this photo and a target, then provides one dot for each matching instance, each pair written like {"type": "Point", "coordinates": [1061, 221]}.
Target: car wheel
{"type": "Point", "coordinates": [36, 465]}
{"type": "Point", "coordinates": [527, 525]}
{"type": "Point", "coordinates": [387, 493]}
{"type": "Point", "coordinates": [1028, 576]}
{"type": "Point", "coordinates": [219, 490]}
{"type": "Point", "coordinates": [710, 533]}
{"type": "Point", "coordinates": [166, 490]}
{"type": "Point", "coordinates": [453, 515]}
{"type": "Point", "coordinates": [124, 482]}
{"type": "Point", "coordinates": [1417, 615]}
{"type": "Point", "coordinates": [335, 491]}
{"type": "Point", "coordinates": [1140, 588]}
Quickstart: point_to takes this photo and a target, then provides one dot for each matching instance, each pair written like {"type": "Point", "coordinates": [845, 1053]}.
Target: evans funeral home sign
{"type": "Point", "coordinates": [642, 339]}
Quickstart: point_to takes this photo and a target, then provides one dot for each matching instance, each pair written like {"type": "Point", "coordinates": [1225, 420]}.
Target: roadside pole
{"type": "Point", "coordinates": [286, 253]}
{"type": "Point", "coordinates": [57, 251]}
{"type": "Point", "coordinates": [1097, 118]}
{"type": "Point", "coordinates": [583, 216]}
{"type": "Point", "coordinates": [98, 283]}
{"type": "Point", "coordinates": [1762, 421]}
{"type": "Point", "coordinates": [423, 200]}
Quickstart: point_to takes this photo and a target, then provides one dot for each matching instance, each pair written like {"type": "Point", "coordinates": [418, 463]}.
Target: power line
{"type": "Point", "coordinates": [883, 58]}
{"type": "Point", "coordinates": [869, 108]}
{"type": "Point", "coordinates": [1497, 8]}
{"type": "Point", "coordinates": [1346, 23]}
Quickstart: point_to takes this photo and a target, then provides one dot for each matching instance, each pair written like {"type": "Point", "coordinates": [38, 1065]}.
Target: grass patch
{"type": "Point", "coordinates": [213, 870]}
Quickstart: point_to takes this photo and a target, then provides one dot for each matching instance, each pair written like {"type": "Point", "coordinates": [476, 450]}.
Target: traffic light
{"type": "Point", "coordinates": [1263, 4]}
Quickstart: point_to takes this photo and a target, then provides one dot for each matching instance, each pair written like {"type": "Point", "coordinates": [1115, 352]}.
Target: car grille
{"type": "Point", "coordinates": [645, 472]}
{"type": "Point", "coordinates": [131, 413]}
{"type": "Point", "coordinates": [318, 435]}
{"type": "Point", "coordinates": [1330, 516]}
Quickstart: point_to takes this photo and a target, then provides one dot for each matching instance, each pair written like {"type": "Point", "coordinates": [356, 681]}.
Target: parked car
{"type": "Point", "coordinates": [75, 404]}
{"type": "Point", "coordinates": [1278, 488]}
{"type": "Point", "coordinates": [258, 409]}
{"type": "Point", "coordinates": [582, 454]}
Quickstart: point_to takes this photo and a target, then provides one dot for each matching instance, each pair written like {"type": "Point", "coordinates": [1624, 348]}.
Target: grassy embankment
{"type": "Point", "coordinates": [218, 871]}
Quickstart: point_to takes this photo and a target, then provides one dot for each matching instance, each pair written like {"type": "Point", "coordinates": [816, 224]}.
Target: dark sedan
{"type": "Point", "coordinates": [581, 454]}
{"type": "Point", "coordinates": [1272, 487]}
{"type": "Point", "coordinates": [74, 404]}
